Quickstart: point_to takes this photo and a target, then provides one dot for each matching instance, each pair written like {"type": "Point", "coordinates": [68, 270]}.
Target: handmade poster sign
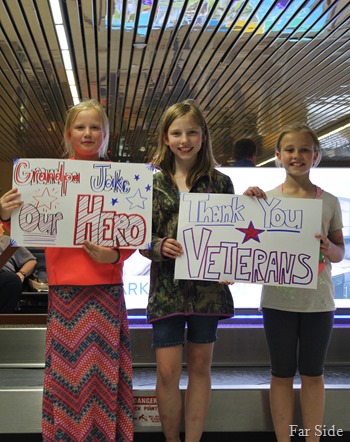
{"type": "Point", "coordinates": [68, 201]}
{"type": "Point", "coordinates": [249, 240]}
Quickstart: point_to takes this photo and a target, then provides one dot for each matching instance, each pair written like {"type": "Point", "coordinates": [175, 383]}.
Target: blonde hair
{"type": "Point", "coordinates": [72, 114]}
{"type": "Point", "coordinates": [164, 159]}
{"type": "Point", "coordinates": [302, 128]}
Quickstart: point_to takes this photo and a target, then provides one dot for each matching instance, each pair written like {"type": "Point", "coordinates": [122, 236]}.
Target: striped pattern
{"type": "Point", "coordinates": [90, 210]}
{"type": "Point", "coordinates": [87, 386]}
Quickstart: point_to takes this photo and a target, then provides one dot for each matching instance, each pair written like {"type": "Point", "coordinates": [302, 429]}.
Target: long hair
{"type": "Point", "coordinates": [302, 128]}
{"type": "Point", "coordinates": [72, 114]}
{"type": "Point", "coordinates": [164, 159]}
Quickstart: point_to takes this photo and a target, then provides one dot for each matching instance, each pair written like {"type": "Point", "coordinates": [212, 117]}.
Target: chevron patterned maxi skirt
{"type": "Point", "coordinates": [88, 373]}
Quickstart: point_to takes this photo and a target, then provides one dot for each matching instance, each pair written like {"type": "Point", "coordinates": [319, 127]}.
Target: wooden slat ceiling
{"type": "Point", "coordinates": [252, 66]}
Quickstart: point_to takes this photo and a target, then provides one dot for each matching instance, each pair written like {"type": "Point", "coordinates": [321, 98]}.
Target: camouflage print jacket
{"type": "Point", "coordinates": [167, 295]}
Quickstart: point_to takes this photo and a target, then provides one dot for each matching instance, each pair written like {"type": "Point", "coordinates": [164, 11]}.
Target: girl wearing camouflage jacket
{"type": "Point", "coordinates": [185, 159]}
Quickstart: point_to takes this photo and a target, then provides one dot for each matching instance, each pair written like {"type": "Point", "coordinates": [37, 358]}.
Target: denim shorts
{"type": "Point", "coordinates": [169, 332]}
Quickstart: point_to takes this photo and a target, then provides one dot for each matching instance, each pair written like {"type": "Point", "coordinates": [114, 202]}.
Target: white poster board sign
{"type": "Point", "coordinates": [237, 238]}
{"type": "Point", "coordinates": [68, 201]}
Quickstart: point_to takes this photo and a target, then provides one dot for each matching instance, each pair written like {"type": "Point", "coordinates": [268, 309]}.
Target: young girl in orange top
{"type": "Point", "coordinates": [87, 382]}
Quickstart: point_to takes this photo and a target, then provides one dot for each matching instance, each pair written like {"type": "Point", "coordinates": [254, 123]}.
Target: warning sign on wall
{"type": "Point", "coordinates": [146, 411]}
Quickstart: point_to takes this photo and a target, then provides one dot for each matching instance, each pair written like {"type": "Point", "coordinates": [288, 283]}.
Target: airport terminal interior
{"type": "Point", "coordinates": [252, 66]}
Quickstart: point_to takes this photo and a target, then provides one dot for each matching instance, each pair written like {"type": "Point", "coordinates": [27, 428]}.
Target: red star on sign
{"type": "Point", "coordinates": [251, 233]}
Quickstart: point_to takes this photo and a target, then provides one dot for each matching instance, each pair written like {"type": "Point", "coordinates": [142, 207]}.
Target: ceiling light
{"type": "Point", "coordinates": [62, 38]}
{"type": "Point", "coordinates": [70, 76]}
{"type": "Point", "coordinates": [56, 12]}
{"type": "Point", "coordinates": [66, 60]}
{"type": "Point", "coordinates": [63, 43]}
{"type": "Point", "coordinates": [140, 45]}
{"type": "Point", "coordinates": [334, 131]}
{"type": "Point", "coordinates": [267, 161]}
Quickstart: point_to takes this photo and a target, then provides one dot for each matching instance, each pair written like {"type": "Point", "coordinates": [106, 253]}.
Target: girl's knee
{"type": "Point", "coordinates": [168, 376]}
{"type": "Point", "coordinates": [312, 380]}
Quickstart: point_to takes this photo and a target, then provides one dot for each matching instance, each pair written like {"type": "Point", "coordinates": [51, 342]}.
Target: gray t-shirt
{"type": "Point", "coordinates": [20, 257]}
{"type": "Point", "coordinates": [308, 300]}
